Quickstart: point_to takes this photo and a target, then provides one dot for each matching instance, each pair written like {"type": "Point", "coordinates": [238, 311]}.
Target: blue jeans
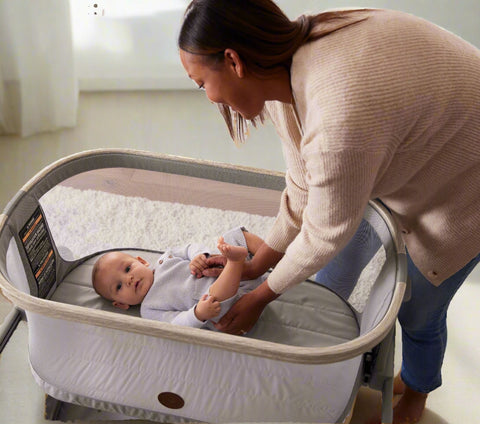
{"type": "Point", "coordinates": [423, 318]}
{"type": "Point", "coordinates": [424, 327]}
{"type": "Point", "coordinates": [342, 272]}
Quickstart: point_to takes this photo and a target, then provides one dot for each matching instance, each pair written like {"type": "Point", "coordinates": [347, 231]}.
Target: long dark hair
{"type": "Point", "coordinates": [259, 31]}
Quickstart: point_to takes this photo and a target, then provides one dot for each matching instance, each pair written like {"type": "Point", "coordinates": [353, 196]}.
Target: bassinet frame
{"type": "Point", "coordinates": [27, 200]}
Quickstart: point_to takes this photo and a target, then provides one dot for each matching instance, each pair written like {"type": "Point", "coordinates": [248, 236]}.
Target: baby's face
{"type": "Point", "coordinates": [124, 279]}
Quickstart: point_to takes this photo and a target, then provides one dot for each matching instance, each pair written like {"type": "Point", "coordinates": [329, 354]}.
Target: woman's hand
{"type": "Point", "coordinates": [243, 315]}
{"type": "Point", "coordinates": [214, 265]}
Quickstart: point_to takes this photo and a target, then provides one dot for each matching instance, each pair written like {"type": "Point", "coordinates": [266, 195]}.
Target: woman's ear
{"type": "Point", "coordinates": [142, 261]}
{"type": "Point", "coordinates": [120, 305]}
{"type": "Point", "coordinates": [233, 62]}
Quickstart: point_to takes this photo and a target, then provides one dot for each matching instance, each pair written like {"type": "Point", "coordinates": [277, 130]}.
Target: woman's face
{"type": "Point", "coordinates": [226, 83]}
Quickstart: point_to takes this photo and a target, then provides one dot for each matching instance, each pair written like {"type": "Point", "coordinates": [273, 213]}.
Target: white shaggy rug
{"type": "Point", "coordinates": [87, 221]}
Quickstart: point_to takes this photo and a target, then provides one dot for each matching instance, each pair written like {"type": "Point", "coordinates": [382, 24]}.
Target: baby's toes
{"type": "Point", "coordinates": [223, 248]}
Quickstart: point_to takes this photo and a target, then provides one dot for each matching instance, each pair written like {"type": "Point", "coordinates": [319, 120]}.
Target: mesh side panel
{"type": "Point", "coordinates": [122, 207]}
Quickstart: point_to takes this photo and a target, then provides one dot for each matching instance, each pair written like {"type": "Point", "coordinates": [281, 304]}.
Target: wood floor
{"type": "Point", "coordinates": [179, 188]}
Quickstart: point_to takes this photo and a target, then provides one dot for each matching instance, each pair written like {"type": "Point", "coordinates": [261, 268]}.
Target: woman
{"type": "Point", "coordinates": [368, 104]}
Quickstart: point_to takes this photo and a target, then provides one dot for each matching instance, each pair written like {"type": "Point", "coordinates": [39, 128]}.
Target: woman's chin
{"type": "Point", "coordinates": [250, 116]}
{"type": "Point", "coordinates": [247, 117]}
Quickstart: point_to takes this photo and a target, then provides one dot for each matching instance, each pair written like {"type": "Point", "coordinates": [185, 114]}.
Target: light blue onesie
{"type": "Point", "coordinates": [175, 291]}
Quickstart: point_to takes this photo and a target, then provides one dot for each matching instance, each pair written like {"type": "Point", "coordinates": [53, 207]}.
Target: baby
{"type": "Point", "coordinates": [173, 288]}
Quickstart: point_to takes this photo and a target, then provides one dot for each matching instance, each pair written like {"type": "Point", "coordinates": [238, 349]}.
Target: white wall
{"type": "Point", "coordinates": [135, 47]}
{"type": "Point", "coordinates": [461, 16]}
{"type": "Point", "coordinates": [183, 122]}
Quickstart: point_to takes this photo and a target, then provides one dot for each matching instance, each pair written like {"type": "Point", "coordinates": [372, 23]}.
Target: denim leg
{"type": "Point", "coordinates": [424, 327]}
{"type": "Point", "coordinates": [342, 272]}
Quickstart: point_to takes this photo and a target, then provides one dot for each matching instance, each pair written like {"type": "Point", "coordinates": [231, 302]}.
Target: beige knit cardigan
{"type": "Point", "coordinates": [386, 108]}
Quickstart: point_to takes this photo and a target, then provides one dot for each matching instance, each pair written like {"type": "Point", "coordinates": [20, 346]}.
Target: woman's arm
{"type": "Point", "coordinates": [264, 259]}
{"type": "Point", "coordinates": [253, 241]}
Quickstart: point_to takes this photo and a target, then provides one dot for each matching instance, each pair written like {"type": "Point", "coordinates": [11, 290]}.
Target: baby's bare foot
{"type": "Point", "coordinates": [232, 253]}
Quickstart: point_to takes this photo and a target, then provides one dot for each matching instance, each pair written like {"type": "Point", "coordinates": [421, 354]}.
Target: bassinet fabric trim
{"type": "Point", "coordinates": [275, 351]}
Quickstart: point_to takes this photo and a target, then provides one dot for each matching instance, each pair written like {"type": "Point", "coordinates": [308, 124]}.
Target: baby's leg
{"type": "Point", "coordinates": [226, 285]}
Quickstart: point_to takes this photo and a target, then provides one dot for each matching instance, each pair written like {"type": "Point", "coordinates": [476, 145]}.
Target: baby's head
{"type": "Point", "coordinates": [122, 278]}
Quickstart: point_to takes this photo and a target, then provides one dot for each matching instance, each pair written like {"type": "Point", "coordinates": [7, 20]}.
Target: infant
{"type": "Point", "coordinates": [173, 289]}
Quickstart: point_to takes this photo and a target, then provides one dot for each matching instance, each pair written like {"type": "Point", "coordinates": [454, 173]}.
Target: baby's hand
{"type": "Point", "coordinates": [198, 264]}
{"type": "Point", "coordinates": [207, 307]}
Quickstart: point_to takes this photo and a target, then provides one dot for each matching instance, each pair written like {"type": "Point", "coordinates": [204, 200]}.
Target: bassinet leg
{"type": "Point", "coordinates": [387, 396]}
{"type": "Point", "coordinates": [52, 408]}
{"type": "Point", "coordinates": [381, 377]}
{"type": "Point", "coordinates": [8, 326]}
{"type": "Point", "coordinates": [387, 386]}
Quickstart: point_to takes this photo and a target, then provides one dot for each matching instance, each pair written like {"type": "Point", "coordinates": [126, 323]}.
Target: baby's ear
{"type": "Point", "coordinates": [143, 261]}
{"type": "Point", "coordinates": [120, 305]}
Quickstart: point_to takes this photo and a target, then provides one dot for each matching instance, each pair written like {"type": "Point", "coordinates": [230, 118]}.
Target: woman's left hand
{"type": "Point", "coordinates": [243, 315]}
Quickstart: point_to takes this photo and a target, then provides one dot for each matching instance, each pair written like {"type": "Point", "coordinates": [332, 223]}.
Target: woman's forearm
{"type": "Point", "coordinates": [263, 294]}
{"type": "Point", "coordinates": [264, 259]}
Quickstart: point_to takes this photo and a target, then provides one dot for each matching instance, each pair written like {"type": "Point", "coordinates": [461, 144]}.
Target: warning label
{"type": "Point", "coordinates": [39, 250]}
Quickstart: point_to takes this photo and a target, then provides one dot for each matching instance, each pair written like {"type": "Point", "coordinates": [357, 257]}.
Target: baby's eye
{"type": "Point", "coordinates": [127, 269]}
{"type": "Point", "coordinates": [119, 286]}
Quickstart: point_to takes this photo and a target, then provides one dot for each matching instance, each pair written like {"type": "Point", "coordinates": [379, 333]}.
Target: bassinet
{"type": "Point", "coordinates": [83, 353]}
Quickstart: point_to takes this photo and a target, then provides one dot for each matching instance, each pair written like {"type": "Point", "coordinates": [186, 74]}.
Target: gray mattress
{"type": "Point", "coordinates": [308, 315]}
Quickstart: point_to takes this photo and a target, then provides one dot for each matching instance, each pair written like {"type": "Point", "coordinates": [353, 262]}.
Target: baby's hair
{"type": "Point", "coordinates": [262, 35]}
{"type": "Point", "coordinates": [95, 270]}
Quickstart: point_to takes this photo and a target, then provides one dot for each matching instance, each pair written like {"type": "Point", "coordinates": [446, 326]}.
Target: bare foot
{"type": "Point", "coordinates": [409, 408]}
{"type": "Point", "coordinates": [398, 385]}
{"type": "Point", "coordinates": [232, 253]}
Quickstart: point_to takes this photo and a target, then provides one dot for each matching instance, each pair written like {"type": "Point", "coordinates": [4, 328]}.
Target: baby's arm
{"type": "Point", "coordinates": [207, 308]}
{"type": "Point", "coordinates": [185, 318]}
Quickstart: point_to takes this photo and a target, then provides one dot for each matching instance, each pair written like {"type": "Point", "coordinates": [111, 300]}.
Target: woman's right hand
{"type": "Point", "coordinates": [264, 258]}
{"type": "Point", "coordinates": [215, 264]}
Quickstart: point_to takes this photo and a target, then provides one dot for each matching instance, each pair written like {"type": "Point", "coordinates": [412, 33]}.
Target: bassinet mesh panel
{"type": "Point", "coordinates": [159, 210]}
{"type": "Point", "coordinates": [379, 274]}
